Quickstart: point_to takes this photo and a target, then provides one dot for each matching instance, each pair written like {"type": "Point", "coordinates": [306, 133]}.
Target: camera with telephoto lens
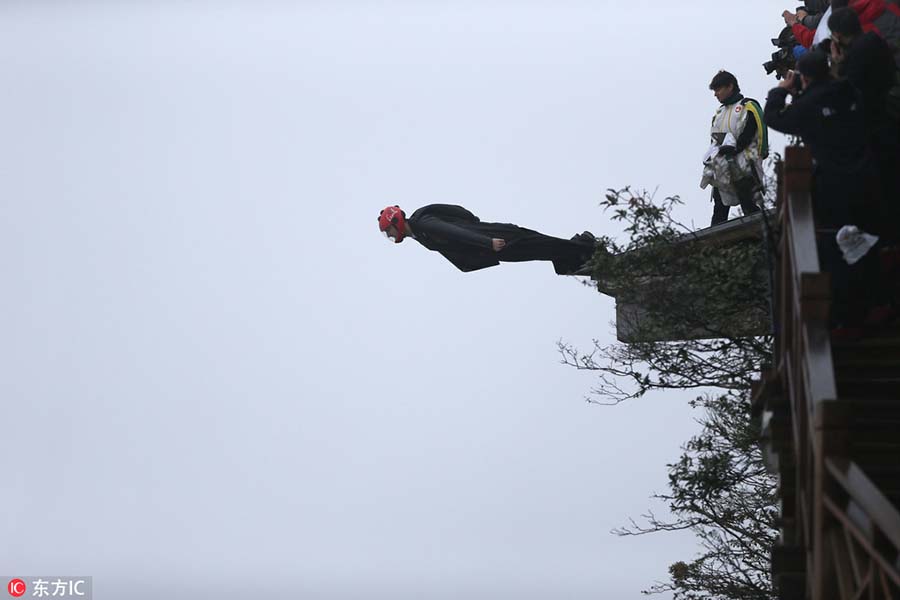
{"type": "Point", "coordinates": [783, 58]}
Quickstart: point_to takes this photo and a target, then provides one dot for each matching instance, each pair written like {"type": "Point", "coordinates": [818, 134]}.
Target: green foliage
{"type": "Point", "coordinates": [699, 299]}
{"type": "Point", "coordinates": [720, 489]}
{"type": "Point", "coordinates": [685, 286]}
{"type": "Point", "coordinates": [702, 297]}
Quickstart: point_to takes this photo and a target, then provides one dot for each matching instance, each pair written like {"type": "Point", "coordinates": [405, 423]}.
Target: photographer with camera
{"type": "Point", "coordinates": [740, 119]}
{"type": "Point", "coordinates": [827, 114]}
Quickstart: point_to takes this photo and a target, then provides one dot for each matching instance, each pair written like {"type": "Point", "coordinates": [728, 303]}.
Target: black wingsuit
{"type": "Point", "coordinates": [465, 241]}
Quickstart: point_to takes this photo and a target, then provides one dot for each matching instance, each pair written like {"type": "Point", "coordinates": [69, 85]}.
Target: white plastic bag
{"type": "Point", "coordinates": [854, 243]}
{"type": "Point", "coordinates": [719, 171]}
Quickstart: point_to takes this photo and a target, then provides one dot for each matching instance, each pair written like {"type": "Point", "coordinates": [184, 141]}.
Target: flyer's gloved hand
{"type": "Point", "coordinates": [727, 150]}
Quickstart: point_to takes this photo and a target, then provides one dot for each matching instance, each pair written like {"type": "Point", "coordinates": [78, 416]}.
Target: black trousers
{"type": "Point", "coordinates": [567, 255]}
{"type": "Point", "coordinates": [745, 191]}
{"type": "Point", "coordinates": [840, 199]}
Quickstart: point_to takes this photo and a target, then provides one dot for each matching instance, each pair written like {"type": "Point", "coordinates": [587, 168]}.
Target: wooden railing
{"type": "Point", "coordinates": [840, 535]}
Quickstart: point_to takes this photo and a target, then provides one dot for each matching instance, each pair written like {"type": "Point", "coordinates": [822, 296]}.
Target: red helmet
{"type": "Point", "coordinates": [392, 215]}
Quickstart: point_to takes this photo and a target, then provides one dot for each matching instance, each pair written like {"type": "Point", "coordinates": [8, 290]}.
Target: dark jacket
{"type": "Point", "coordinates": [869, 65]}
{"type": "Point", "coordinates": [811, 22]}
{"type": "Point", "coordinates": [815, 8]}
{"type": "Point", "coordinates": [828, 116]}
{"type": "Point", "coordinates": [453, 231]}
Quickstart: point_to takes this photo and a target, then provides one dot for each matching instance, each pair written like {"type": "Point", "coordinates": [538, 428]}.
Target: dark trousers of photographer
{"type": "Point", "coordinates": [842, 199]}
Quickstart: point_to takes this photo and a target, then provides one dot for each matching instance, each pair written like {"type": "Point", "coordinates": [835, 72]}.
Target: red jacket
{"type": "Point", "coordinates": [868, 11]}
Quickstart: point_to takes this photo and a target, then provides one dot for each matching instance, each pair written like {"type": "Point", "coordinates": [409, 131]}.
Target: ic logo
{"type": "Point", "coordinates": [16, 588]}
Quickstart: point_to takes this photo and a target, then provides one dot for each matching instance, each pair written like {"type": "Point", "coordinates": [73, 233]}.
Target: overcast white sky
{"type": "Point", "coordinates": [217, 378]}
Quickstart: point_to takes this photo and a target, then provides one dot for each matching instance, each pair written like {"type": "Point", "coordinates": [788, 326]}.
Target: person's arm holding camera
{"type": "Point", "coordinates": [791, 19]}
{"type": "Point", "coordinates": [777, 114]}
{"type": "Point", "coordinates": [838, 52]}
{"type": "Point", "coordinates": [810, 14]}
{"type": "Point", "coordinates": [790, 81]}
{"type": "Point", "coordinates": [810, 21]}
